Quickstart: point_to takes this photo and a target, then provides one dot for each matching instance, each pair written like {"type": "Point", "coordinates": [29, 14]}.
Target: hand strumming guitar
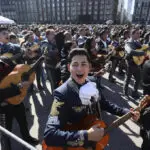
{"type": "Point", "coordinates": [95, 133]}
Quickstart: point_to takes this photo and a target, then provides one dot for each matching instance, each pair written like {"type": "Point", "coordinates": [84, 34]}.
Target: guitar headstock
{"type": "Point", "coordinates": [145, 101]}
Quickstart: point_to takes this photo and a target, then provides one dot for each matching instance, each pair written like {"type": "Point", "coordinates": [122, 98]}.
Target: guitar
{"type": "Point", "coordinates": [138, 60]}
{"type": "Point", "coordinates": [11, 56]}
{"type": "Point", "coordinates": [21, 72]}
{"type": "Point", "coordinates": [91, 120]}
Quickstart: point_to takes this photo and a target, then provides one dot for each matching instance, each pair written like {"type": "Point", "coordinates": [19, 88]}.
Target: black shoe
{"type": "Point", "coordinates": [32, 140]}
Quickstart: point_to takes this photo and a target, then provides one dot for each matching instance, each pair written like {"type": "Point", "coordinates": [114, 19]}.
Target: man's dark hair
{"type": "Point", "coordinates": [78, 51]}
{"type": "Point", "coordinates": [35, 30]}
{"type": "Point", "coordinates": [133, 31]}
{"type": "Point", "coordinates": [3, 29]}
{"type": "Point", "coordinates": [12, 36]}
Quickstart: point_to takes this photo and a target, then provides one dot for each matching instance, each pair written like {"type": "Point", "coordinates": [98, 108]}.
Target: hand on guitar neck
{"type": "Point", "coordinates": [135, 114]}
{"type": "Point", "coordinates": [24, 84]}
{"type": "Point", "coordinates": [103, 70]}
{"type": "Point", "coordinates": [100, 72]}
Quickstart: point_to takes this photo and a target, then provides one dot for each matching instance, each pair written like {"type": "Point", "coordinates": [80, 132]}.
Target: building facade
{"type": "Point", "coordinates": [142, 12]}
{"type": "Point", "coordinates": [59, 11]}
{"type": "Point", "coordinates": [8, 9]}
{"type": "Point", "coordinates": [126, 10]}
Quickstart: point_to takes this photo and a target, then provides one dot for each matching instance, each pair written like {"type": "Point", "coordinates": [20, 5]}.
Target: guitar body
{"type": "Point", "coordinates": [86, 123]}
{"type": "Point", "coordinates": [9, 55]}
{"type": "Point", "coordinates": [91, 120]}
{"type": "Point", "coordinates": [15, 78]}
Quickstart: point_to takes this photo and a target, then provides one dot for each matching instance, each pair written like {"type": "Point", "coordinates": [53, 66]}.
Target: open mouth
{"type": "Point", "coordinates": [80, 75]}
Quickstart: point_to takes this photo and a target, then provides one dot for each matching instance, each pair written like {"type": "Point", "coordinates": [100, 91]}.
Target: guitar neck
{"type": "Point", "coordinates": [121, 120]}
{"type": "Point", "coordinates": [34, 66]}
{"type": "Point", "coordinates": [16, 56]}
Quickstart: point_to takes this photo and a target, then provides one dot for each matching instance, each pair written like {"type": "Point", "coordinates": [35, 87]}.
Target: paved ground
{"type": "Point", "coordinates": [126, 137]}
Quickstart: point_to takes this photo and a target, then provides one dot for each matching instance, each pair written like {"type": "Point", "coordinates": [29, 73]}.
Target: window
{"type": "Point", "coordinates": [58, 18]}
{"type": "Point", "coordinates": [96, 2]}
{"type": "Point", "coordinates": [84, 8]}
{"type": "Point", "coordinates": [101, 12]}
{"type": "Point", "coordinates": [102, 2]}
{"type": "Point", "coordinates": [78, 12]}
{"type": "Point", "coordinates": [84, 12]}
{"type": "Point", "coordinates": [90, 3]}
{"type": "Point", "coordinates": [63, 17]}
{"type": "Point", "coordinates": [90, 8]}
{"type": "Point", "coordinates": [95, 12]}
{"type": "Point", "coordinates": [68, 18]}
{"type": "Point", "coordinates": [63, 4]}
{"type": "Point", "coordinates": [90, 12]}
{"type": "Point", "coordinates": [96, 7]}
{"type": "Point", "coordinates": [95, 17]}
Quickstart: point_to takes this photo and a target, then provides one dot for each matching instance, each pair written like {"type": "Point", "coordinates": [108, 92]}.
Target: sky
{"type": "Point", "coordinates": [126, 5]}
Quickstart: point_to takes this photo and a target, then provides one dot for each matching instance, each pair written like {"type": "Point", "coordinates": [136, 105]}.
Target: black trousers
{"type": "Point", "coordinates": [53, 75]}
{"type": "Point", "coordinates": [115, 62]}
{"type": "Point", "coordinates": [39, 74]}
{"type": "Point", "coordinates": [18, 112]}
{"type": "Point", "coordinates": [134, 70]}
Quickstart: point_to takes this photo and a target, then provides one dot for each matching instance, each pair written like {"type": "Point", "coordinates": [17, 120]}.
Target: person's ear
{"type": "Point", "coordinates": [90, 66]}
{"type": "Point", "coordinates": [68, 66]}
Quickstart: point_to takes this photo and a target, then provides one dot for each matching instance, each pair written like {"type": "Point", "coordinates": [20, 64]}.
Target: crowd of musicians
{"type": "Point", "coordinates": [75, 57]}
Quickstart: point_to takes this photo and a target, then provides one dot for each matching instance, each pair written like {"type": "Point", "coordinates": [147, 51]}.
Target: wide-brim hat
{"type": "Point", "coordinates": [137, 53]}
{"type": "Point", "coordinates": [144, 47]}
{"type": "Point", "coordinates": [6, 60]}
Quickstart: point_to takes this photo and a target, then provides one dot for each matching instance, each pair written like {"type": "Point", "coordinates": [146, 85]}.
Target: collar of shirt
{"type": "Point", "coordinates": [1, 43]}
{"type": "Point", "coordinates": [105, 44]}
{"type": "Point", "coordinates": [79, 85]}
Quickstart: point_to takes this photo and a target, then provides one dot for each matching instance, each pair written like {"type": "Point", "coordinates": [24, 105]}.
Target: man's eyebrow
{"type": "Point", "coordinates": [81, 62]}
{"type": "Point", "coordinates": [75, 62]}
{"type": "Point", "coordinates": [84, 62]}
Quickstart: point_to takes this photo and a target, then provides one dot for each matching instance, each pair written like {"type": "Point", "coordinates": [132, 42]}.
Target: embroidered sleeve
{"type": "Point", "coordinates": [54, 134]}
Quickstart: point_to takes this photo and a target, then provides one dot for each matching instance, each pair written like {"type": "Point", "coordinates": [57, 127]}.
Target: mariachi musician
{"type": "Point", "coordinates": [104, 53]}
{"type": "Point", "coordinates": [145, 114]}
{"type": "Point", "coordinates": [102, 41]}
{"type": "Point", "coordinates": [32, 53]}
{"type": "Point", "coordinates": [117, 55]}
{"type": "Point", "coordinates": [74, 100]}
{"type": "Point", "coordinates": [9, 111]}
{"type": "Point", "coordinates": [134, 60]}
